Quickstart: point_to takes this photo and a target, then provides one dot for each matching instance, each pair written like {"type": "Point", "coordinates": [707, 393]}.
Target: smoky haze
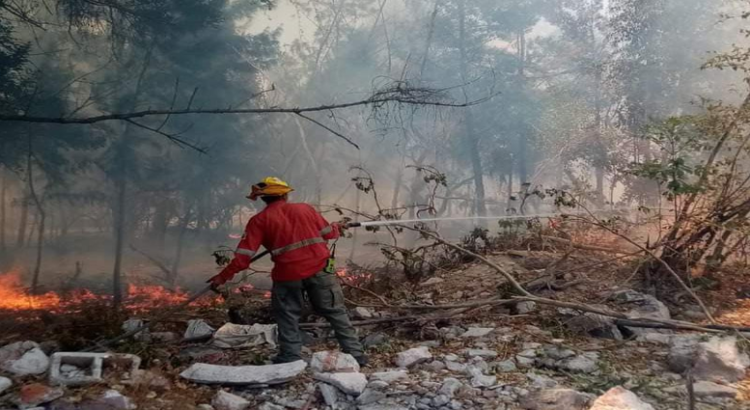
{"type": "Point", "coordinates": [561, 95]}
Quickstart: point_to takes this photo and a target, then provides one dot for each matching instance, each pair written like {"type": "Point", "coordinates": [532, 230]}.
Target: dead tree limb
{"type": "Point", "coordinates": [587, 247]}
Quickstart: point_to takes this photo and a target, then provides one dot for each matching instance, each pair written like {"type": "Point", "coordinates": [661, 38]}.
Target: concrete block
{"type": "Point", "coordinates": [80, 368]}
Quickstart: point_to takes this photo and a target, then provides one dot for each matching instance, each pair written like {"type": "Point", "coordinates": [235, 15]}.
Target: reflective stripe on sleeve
{"type": "Point", "coordinates": [297, 245]}
{"type": "Point", "coordinates": [325, 231]}
{"type": "Point", "coordinates": [246, 252]}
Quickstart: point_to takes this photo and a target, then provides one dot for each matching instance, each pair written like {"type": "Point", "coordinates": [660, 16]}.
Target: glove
{"type": "Point", "coordinates": [216, 282]}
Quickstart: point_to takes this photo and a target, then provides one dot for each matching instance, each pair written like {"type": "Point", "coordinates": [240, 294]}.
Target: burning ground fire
{"type": "Point", "coordinates": [15, 297]}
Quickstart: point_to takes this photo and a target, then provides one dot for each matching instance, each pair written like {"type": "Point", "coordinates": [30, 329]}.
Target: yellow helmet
{"type": "Point", "coordinates": [270, 186]}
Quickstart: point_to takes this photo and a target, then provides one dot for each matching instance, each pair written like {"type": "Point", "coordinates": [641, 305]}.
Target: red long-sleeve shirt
{"type": "Point", "coordinates": [296, 234]}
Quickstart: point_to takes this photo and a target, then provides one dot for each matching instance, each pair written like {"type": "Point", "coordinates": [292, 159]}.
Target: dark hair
{"type": "Point", "coordinates": [272, 199]}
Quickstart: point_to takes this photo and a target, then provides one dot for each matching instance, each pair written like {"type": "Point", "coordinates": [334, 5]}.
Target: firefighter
{"type": "Point", "coordinates": [296, 235]}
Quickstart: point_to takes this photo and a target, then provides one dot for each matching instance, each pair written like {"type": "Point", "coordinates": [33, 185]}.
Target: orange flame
{"type": "Point", "coordinates": [15, 297]}
{"type": "Point", "coordinates": [345, 276]}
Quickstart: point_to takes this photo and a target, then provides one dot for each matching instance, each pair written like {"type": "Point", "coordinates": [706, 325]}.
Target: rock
{"type": "Point", "coordinates": [5, 384]}
{"type": "Point", "coordinates": [114, 400]}
{"type": "Point", "coordinates": [590, 324]}
{"type": "Point", "coordinates": [198, 328]}
{"type": "Point", "coordinates": [330, 394]}
{"type": "Point", "coordinates": [481, 353]}
{"type": "Point", "coordinates": [440, 400]}
{"type": "Point", "coordinates": [360, 312]}
{"type": "Point", "coordinates": [374, 340]}
{"type": "Point", "coordinates": [523, 308]}
{"type": "Point", "coordinates": [643, 306]}
{"type": "Point", "coordinates": [682, 350]}
{"type": "Point", "coordinates": [349, 383]}
{"type": "Point", "coordinates": [477, 332]}
{"type": "Point", "coordinates": [709, 389]}
{"type": "Point", "coordinates": [205, 407]}
{"type": "Point", "coordinates": [525, 362]}
{"type": "Point", "coordinates": [285, 402]}
{"type": "Point", "coordinates": [32, 395]}
{"type": "Point", "coordinates": [539, 381]}
{"type": "Point", "coordinates": [506, 366]}
{"type": "Point", "coordinates": [370, 396]}
{"type": "Point", "coordinates": [557, 352]}
{"type": "Point", "coordinates": [23, 359]}
{"type": "Point", "coordinates": [377, 385]}
{"type": "Point", "coordinates": [382, 407]}
{"type": "Point", "coordinates": [720, 359]}
{"type": "Point", "coordinates": [656, 338]}
{"type": "Point", "coordinates": [231, 335]}
{"type": "Point", "coordinates": [456, 366]}
{"type": "Point", "coordinates": [152, 380]}
{"type": "Point", "coordinates": [618, 398]}
{"type": "Point", "coordinates": [390, 376]}
{"type": "Point", "coordinates": [450, 386]}
{"type": "Point", "coordinates": [433, 281]}
{"type": "Point", "coordinates": [556, 399]}
{"type": "Point", "coordinates": [483, 381]}
{"type": "Point", "coordinates": [243, 375]}
{"type": "Point", "coordinates": [270, 406]}
{"type": "Point", "coordinates": [132, 324]}
{"type": "Point", "coordinates": [228, 401]}
{"type": "Point", "coordinates": [333, 362]}
{"type": "Point", "coordinates": [435, 366]}
{"type": "Point", "coordinates": [530, 353]}
{"type": "Point", "coordinates": [413, 356]}
{"type": "Point", "coordinates": [581, 364]}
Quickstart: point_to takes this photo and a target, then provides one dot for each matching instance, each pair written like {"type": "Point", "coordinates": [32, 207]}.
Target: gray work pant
{"type": "Point", "coordinates": [327, 299]}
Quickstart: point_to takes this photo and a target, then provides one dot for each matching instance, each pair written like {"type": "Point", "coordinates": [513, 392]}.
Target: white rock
{"type": "Point", "coordinates": [413, 356]}
{"type": "Point", "coordinates": [5, 383]}
{"type": "Point", "coordinates": [618, 398]}
{"type": "Point", "coordinates": [144, 335]}
{"type": "Point", "coordinates": [456, 367]}
{"type": "Point", "coordinates": [434, 366]}
{"type": "Point", "coordinates": [483, 381]}
{"type": "Point", "coordinates": [477, 332]}
{"type": "Point", "coordinates": [228, 401]}
{"type": "Point", "coordinates": [23, 359]}
{"type": "Point", "coordinates": [360, 312]}
{"type": "Point", "coordinates": [523, 308]}
{"type": "Point", "coordinates": [205, 407]}
{"type": "Point", "coordinates": [377, 385]}
{"type": "Point", "coordinates": [581, 364]}
{"type": "Point", "coordinates": [481, 353]}
{"type": "Point", "coordinates": [450, 387]}
{"type": "Point", "coordinates": [389, 376]}
{"type": "Point", "coordinates": [243, 375]}
{"type": "Point", "coordinates": [334, 362]}
{"type": "Point", "coordinates": [113, 399]}
{"type": "Point", "coordinates": [556, 399]}
{"type": "Point", "coordinates": [525, 362]}
{"type": "Point", "coordinates": [330, 394]}
{"type": "Point", "coordinates": [709, 389]}
{"type": "Point", "coordinates": [506, 366]}
{"type": "Point", "coordinates": [370, 396]}
{"type": "Point", "coordinates": [349, 383]}
{"type": "Point", "coordinates": [433, 281]}
{"type": "Point", "coordinates": [539, 381]}
{"type": "Point", "coordinates": [451, 357]}
{"type": "Point", "coordinates": [720, 359]}
{"type": "Point", "coordinates": [270, 406]}
{"type": "Point", "coordinates": [198, 328]}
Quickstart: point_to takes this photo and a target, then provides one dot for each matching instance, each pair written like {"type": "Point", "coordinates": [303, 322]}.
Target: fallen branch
{"type": "Point", "coordinates": [587, 247]}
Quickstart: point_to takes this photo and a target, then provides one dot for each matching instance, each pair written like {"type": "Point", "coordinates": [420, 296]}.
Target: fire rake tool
{"type": "Point", "coordinates": [165, 315]}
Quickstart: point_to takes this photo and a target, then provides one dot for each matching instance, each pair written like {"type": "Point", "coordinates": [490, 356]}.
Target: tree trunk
{"type": "Point", "coordinates": [42, 216]}
{"type": "Point", "coordinates": [397, 187]}
{"type": "Point", "coordinates": [472, 139]}
{"type": "Point", "coordinates": [119, 225]}
{"type": "Point", "coordinates": [174, 272]}
{"type": "Point", "coordinates": [23, 220]}
{"type": "Point", "coordinates": [3, 195]}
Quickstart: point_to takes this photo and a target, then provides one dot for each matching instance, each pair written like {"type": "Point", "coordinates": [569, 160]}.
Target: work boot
{"type": "Point", "coordinates": [362, 360]}
{"type": "Point", "coordinates": [284, 359]}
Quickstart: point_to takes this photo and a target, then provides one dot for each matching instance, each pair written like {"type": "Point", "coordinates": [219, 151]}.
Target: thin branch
{"type": "Point", "coordinates": [329, 129]}
{"type": "Point", "coordinates": [172, 137]}
{"type": "Point", "coordinates": [276, 110]}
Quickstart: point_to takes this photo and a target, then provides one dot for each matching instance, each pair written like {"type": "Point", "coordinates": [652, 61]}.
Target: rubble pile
{"type": "Point", "coordinates": [518, 356]}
